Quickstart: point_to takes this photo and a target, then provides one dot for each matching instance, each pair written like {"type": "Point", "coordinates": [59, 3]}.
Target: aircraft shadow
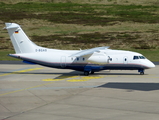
{"type": "Point", "coordinates": [132, 86]}
{"type": "Point", "coordinates": [71, 73]}
{"type": "Point", "coordinates": [115, 85]}
{"type": "Point", "coordinates": [108, 73]}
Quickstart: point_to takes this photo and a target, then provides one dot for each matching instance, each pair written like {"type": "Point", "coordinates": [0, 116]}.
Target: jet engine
{"type": "Point", "coordinates": [98, 59]}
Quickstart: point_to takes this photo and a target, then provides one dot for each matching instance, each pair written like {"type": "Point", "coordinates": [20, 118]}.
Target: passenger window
{"type": "Point", "coordinates": [83, 59]}
{"type": "Point", "coordinates": [135, 58]}
{"type": "Point", "coordinates": [77, 59]}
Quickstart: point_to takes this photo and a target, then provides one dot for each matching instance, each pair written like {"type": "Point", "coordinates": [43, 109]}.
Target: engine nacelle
{"type": "Point", "coordinates": [98, 59]}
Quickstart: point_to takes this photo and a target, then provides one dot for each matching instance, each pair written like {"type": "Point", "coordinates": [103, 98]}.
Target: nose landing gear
{"type": "Point", "coordinates": [141, 71]}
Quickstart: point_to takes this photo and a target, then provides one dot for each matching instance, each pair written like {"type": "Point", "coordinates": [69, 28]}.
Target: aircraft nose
{"type": "Point", "coordinates": [151, 65]}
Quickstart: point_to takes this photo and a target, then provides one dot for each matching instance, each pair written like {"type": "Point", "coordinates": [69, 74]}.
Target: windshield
{"type": "Point", "coordinates": [138, 57]}
{"type": "Point", "coordinates": [141, 57]}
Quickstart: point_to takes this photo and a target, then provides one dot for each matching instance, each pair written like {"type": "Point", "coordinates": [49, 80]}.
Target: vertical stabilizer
{"type": "Point", "coordinates": [20, 41]}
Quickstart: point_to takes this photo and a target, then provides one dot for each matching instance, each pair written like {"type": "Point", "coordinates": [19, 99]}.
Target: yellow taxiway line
{"type": "Point", "coordinates": [50, 80]}
{"type": "Point", "coordinates": [21, 71]}
{"type": "Point", "coordinates": [71, 78]}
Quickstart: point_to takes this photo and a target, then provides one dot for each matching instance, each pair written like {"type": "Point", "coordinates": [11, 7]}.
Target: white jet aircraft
{"type": "Point", "coordinates": [88, 61]}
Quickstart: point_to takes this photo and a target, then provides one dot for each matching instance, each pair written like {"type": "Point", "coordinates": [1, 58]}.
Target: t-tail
{"type": "Point", "coordinates": [20, 41]}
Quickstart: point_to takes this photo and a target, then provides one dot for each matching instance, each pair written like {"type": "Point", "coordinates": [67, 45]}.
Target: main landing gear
{"type": "Point", "coordinates": [86, 73]}
{"type": "Point", "coordinates": [141, 71]}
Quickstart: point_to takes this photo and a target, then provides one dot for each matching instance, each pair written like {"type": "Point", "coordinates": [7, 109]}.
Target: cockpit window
{"type": "Point", "coordinates": [141, 57]}
{"type": "Point", "coordinates": [138, 57]}
{"type": "Point", "coordinates": [135, 58]}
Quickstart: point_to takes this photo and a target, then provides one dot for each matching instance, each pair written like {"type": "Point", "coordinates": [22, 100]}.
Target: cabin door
{"type": "Point", "coordinates": [125, 60]}
{"type": "Point", "coordinates": [63, 61]}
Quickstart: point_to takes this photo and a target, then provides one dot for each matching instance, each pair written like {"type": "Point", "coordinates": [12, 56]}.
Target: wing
{"type": "Point", "coordinates": [88, 52]}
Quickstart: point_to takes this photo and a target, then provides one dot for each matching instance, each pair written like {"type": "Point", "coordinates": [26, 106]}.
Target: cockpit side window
{"type": "Point", "coordinates": [141, 57]}
{"type": "Point", "coordinates": [135, 58]}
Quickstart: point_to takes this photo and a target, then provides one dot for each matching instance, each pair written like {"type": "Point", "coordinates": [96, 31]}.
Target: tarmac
{"type": "Point", "coordinates": [33, 92]}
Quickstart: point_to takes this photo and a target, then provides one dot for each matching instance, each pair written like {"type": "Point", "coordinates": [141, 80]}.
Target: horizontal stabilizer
{"type": "Point", "coordinates": [88, 52]}
{"type": "Point", "coordinates": [11, 26]}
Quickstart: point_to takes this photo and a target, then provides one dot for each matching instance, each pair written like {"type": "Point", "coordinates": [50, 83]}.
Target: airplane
{"type": "Point", "coordinates": [88, 60]}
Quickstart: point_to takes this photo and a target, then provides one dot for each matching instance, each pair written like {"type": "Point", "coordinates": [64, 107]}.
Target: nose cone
{"type": "Point", "coordinates": [151, 65]}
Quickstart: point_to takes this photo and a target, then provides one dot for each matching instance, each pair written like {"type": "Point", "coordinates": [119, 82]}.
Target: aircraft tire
{"type": "Point", "coordinates": [92, 72]}
{"type": "Point", "coordinates": [86, 73]}
{"type": "Point", "coordinates": [141, 73]}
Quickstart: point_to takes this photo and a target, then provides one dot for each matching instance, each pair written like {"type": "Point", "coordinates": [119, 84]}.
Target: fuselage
{"type": "Point", "coordinates": [102, 60]}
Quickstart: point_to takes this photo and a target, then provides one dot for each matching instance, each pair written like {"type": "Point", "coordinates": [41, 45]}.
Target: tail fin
{"type": "Point", "coordinates": [20, 41]}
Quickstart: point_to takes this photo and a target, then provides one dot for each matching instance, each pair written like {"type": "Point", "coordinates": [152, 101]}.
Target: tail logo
{"type": "Point", "coordinates": [16, 32]}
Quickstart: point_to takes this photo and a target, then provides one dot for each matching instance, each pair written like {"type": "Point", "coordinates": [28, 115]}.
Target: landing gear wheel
{"type": "Point", "coordinates": [86, 73]}
{"type": "Point", "coordinates": [92, 72]}
{"type": "Point", "coordinates": [141, 73]}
